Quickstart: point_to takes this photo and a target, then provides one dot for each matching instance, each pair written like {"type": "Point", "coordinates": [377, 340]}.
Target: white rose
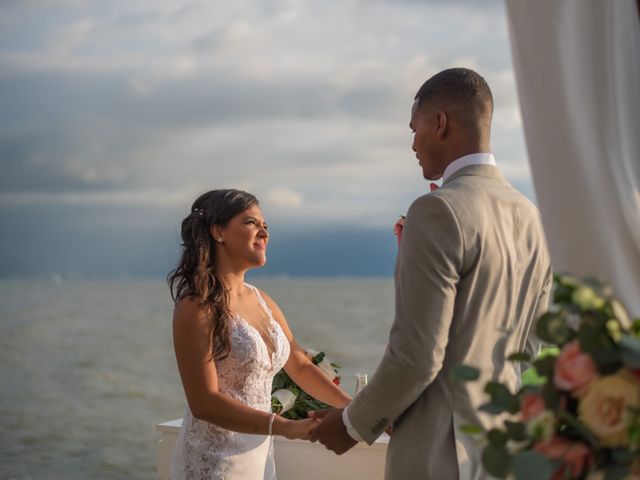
{"type": "Point", "coordinates": [326, 367]}
{"type": "Point", "coordinates": [286, 398]}
{"type": "Point", "coordinates": [542, 426]}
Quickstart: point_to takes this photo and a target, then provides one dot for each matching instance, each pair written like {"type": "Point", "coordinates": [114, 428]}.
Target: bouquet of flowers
{"type": "Point", "coordinates": [289, 400]}
{"type": "Point", "coordinates": [582, 419]}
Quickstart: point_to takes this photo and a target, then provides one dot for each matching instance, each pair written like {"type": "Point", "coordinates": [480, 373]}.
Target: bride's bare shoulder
{"type": "Point", "coordinates": [189, 309]}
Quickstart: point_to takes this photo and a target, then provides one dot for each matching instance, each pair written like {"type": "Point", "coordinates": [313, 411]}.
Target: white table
{"type": "Point", "coordinates": [295, 459]}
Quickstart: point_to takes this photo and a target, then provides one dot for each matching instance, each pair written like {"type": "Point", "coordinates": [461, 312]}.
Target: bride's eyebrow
{"type": "Point", "coordinates": [256, 219]}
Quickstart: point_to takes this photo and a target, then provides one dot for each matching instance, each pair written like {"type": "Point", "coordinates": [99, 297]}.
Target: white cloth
{"type": "Point", "coordinates": [577, 66]}
{"type": "Point", "coordinates": [206, 451]}
{"type": "Point", "coordinates": [471, 159]}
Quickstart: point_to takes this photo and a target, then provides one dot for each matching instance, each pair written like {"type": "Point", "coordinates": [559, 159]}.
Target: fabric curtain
{"type": "Point", "coordinates": [577, 67]}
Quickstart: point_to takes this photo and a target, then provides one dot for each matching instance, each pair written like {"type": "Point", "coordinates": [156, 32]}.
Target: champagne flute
{"type": "Point", "coordinates": [361, 381]}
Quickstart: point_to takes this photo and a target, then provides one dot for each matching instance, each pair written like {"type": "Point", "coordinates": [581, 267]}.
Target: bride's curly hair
{"type": "Point", "coordinates": [196, 274]}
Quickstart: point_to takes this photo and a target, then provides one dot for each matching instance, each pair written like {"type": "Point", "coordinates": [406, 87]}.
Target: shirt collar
{"type": "Point", "coordinates": [472, 159]}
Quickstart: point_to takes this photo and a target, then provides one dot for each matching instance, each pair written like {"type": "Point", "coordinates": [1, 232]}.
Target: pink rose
{"type": "Point", "coordinates": [397, 228]}
{"type": "Point", "coordinates": [574, 370]}
{"type": "Point", "coordinates": [576, 457]}
{"type": "Point", "coordinates": [531, 405]}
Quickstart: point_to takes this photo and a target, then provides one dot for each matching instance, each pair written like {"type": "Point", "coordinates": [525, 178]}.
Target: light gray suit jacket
{"type": "Point", "coordinates": [473, 273]}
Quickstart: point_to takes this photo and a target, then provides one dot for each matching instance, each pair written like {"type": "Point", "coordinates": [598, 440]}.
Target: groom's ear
{"type": "Point", "coordinates": [440, 124]}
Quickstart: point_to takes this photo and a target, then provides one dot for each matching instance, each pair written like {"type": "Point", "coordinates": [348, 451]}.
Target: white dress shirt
{"type": "Point", "coordinates": [471, 159]}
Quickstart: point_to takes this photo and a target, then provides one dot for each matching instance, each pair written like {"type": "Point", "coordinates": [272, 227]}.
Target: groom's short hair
{"type": "Point", "coordinates": [461, 86]}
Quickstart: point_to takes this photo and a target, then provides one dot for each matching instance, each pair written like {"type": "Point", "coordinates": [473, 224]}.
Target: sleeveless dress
{"type": "Point", "coordinates": [204, 450]}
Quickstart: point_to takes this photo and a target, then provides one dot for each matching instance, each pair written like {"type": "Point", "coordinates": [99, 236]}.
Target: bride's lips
{"type": "Point", "coordinates": [260, 245]}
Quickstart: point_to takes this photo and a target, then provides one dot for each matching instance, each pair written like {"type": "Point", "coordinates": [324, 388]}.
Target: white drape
{"type": "Point", "coordinates": [577, 66]}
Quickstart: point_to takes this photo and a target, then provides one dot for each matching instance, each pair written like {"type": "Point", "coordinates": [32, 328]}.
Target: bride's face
{"type": "Point", "coordinates": [244, 239]}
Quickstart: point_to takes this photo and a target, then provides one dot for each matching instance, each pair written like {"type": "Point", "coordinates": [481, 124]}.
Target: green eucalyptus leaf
{"type": "Point", "coordinates": [501, 396]}
{"type": "Point", "coordinates": [614, 329]}
{"type": "Point", "coordinates": [578, 427]}
{"type": "Point", "coordinates": [563, 288]}
{"type": "Point", "coordinates": [496, 461]}
{"type": "Point", "coordinates": [622, 455]}
{"type": "Point", "coordinates": [630, 349]}
{"type": "Point", "coordinates": [471, 429]}
{"type": "Point", "coordinates": [635, 327]}
{"type": "Point", "coordinates": [598, 285]}
{"type": "Point", "coordinates": [550, 396]}
{"type": "Point", "coordinates": [531, 378]}
{"type": "Point", "coordinates": [465, 373]}
{"type": "Point", "coordinates": [544, 366]}
{"type": "Point", "coordinates": [497, 437]}
{"type": "Point", "coordinates": [620, 313]}
{"type": "Point", "coordinates": [519, 357]}
{"type": "Point", "coordinates": [531, 465]}
{"type": "Point", "coordinates": [586, 298]}
{"type": "Point", "coordinates": [491, 408]}
{"type": "Point", "coordinates": [552, 327]}
{"type": "Point", "coordinates": [318, 358]}
{"type": "Point", "coordinates": [616, 472]}
{"type": "Point", "coordinates": [516, 431]}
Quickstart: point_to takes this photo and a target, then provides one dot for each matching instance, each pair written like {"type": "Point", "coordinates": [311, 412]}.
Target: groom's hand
{"type": "Point", "coordinates": [331, 431]}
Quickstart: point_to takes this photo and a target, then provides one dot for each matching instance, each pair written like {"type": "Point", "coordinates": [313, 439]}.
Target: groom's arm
{"type": "Point", "coordinates": [427, 272]}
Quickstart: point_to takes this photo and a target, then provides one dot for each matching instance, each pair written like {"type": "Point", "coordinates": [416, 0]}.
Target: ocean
{"type": "Point", "coordinates": [87, 368]}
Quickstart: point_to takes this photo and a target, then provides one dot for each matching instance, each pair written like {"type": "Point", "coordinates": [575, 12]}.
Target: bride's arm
{"type": "Point", "coordinates": [192, 344]}
{"type": "Point", "coordinates": [302, 370]}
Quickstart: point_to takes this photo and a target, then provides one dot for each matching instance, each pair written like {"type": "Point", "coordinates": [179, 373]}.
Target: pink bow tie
{"type": "Point", "coordinates": [433, 186]}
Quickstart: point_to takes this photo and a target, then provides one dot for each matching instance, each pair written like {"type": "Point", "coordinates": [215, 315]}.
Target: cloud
{"type": "Point", "coordinates": [304, 103]}
{"type": "Point", "coordinates": [283, 198]}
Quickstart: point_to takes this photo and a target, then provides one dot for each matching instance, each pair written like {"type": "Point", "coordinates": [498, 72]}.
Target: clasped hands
{"type": "Point", "coordinates": [330, 430]}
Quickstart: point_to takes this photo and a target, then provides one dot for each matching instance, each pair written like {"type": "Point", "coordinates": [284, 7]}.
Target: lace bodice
{"type": "Point", "coordinates": [206, 451]}
{"type": "Point", "coordinates": [247, 373]}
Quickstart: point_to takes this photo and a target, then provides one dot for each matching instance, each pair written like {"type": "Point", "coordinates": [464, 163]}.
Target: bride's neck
{"type": "Point", "coordinates": [233, 281]}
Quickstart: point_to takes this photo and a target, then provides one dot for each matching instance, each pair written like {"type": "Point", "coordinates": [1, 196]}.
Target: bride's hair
{"type": "Point", "coordinates": [196, 274]}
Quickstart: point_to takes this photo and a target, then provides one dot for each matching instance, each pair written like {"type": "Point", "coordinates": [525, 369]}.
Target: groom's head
{"type": "Point", "coordinates": [451, 117]}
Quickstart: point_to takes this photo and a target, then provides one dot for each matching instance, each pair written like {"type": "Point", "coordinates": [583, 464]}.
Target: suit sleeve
{"type": "Point", "coordinates": [533, 343]}
{"type": "Point", "coordinates": [427, 272]}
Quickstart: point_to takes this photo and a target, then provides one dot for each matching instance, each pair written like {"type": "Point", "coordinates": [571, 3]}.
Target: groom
{"type": "Point", "coordinates": [472, 275]}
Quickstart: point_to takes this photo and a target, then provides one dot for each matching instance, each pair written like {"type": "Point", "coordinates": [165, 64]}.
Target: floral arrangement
{"type": "Point", "coordinates": [289, 400]}
{"type": "Point", "coordinates": [581, 420]}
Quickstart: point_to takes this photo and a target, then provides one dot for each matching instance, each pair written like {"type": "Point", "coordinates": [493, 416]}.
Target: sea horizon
{"type": "Point", "coordinates": [87, 368]}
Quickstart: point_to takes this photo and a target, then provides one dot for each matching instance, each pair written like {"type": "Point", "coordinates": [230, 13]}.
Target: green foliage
{"type": "Point", "coordinates": [544, 366]}
{"type": "Point", "coordinates": [582, 311]}
{"type": "Point", "coordinates": [516, 431]}
{"type": "Point", "coordinates": [304, 403]}
{"type": "Point", "coordinates": [471, 429]}
{"type": "Point", "coordinates": [465, 373]}
{"type": "Point", "coordinates": [519, 357]}
{"type": "Point", "coordinates": [531, 465]}
{"type": "Point", "coordinates": [552, 327]}
{"type": "Point", "coordinates": [496, 461]}
{"type": "Point", "coordinates": [630, 347]}
{"type": "Point", "coordinates": [502, 398]}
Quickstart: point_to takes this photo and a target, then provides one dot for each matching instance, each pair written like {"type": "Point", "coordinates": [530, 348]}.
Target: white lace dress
{"type": "Point", "coordinates": [206, 451]}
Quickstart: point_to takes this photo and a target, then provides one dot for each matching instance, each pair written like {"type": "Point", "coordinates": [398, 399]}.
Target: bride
{"type": "Point", "coordinates": [230, 339]}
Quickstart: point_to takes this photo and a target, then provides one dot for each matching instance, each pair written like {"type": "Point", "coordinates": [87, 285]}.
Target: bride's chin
{"type": "Point", "coordinates": [260, 261]}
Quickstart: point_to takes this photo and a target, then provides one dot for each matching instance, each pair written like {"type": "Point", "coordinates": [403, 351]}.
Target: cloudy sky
{"type": "Point", "coordinates": [115, 115]}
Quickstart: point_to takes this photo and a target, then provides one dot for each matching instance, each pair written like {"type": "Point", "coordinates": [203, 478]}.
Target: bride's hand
{"type": "Point", "coordinates": [296, 429]}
